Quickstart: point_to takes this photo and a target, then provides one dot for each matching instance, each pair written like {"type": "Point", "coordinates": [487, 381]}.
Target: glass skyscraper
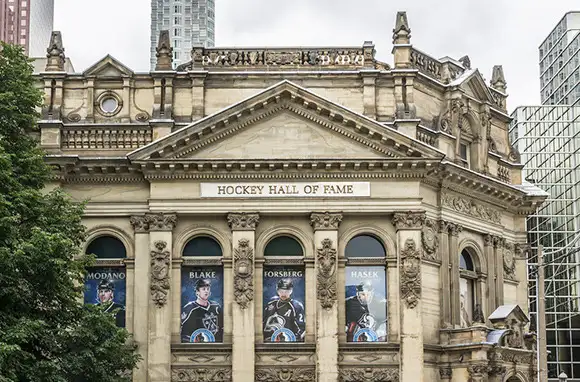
{"type": "Point", "coordinates": [548, 138]}
{"type": "Point", "coordinates": [189, 22]}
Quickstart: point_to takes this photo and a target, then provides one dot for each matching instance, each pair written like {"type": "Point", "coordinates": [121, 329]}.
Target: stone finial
{"type": "Point", "coordinates": [164, 52]}
{"type": "Point", "coordinates": [497, 79]}
{"type": "Point", "coordinates": [55, 57]}
{"type": "Point", "coordinates": [402, 32]}
{"type": "Point", "coordinates": [466, 62]}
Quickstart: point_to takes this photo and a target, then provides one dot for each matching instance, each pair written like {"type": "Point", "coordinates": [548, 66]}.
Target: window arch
{"type": "Point", "coordinates": [284, 291]}
{"type": "Point", "coordinates": [202, 296]}
{"type": "Point", "coordinates": [467, 280]}
{"type": "Point", "coordinates": [365, 290]}
{"type": "Point", "coordinates": [105, 283]}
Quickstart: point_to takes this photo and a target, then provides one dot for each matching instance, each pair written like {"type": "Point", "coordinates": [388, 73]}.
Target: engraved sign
{"type": "Point", "coordinates": [288, 190]}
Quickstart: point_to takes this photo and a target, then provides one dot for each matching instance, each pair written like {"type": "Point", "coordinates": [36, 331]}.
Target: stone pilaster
{"type": "Point", "coordinates": [490, 257]}
{"type": "Point", "coordinates": [325, 227]}
{"type": "Point", "coordinates": [409, 226]}
{"type": "Point", "coordinates": [454, 230]}
{"type": "Point", "coordinates": [141, 294]}
{"type": "Point", "coordinates": [160, 303]}
{"type": "Point", "coordinates": [498, 244]}
{"type": "Point", "coordinates": [369, 93]}
{"type": "Point", "coordinates": [444, 281]}
{"type": "Point", "coordinates": [243, 228]}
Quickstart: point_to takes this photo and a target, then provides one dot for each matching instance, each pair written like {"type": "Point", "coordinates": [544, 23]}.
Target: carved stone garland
{"type": "Point", "coordinates": [326, 277]}
{"type": "Point", "coordinates": [295, 374]}
{"type": "Point", "coordinates": [410, 274]}
{"type": "Point", "coordinates": [160, 260]}
{"type": "Point", "coordinates": [243, 273]}
{"type": "Point", "coordinates": [368, 375]}
{"type": "Point", "coordinates": [430, 240]}
{"type": "Point", "coordinates": [201, 375]}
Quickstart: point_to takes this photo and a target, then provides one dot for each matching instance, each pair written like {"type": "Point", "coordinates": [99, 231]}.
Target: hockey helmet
{"type": "Point", "coordinates": [201, 283]}
{"type": "Point", "coordinates": [285, 284]}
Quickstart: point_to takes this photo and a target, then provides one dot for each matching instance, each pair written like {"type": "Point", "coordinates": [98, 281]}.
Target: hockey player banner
{"type": "Point", "coordinates": [202, 301]}
{"type": "Point", "coordinates": [284, 318]}
{"type": "Point", "coordinates": [366, 304]}
{"type": "Point", "coordinates": [107, 287]}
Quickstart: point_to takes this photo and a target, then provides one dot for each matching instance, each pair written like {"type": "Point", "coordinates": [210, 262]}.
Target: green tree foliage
{"type": "Point", "coordinates": [46, 333]}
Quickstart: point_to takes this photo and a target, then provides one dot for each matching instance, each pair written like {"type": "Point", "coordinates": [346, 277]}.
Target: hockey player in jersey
{"type": "Point", "coordinates": [366, 312]}
{"type": "Point", "coordinates": [106, 295]}
{"type": "Point", "coordinates": [283, 312]}
{"type": "Point", "coordinates": [202, 314]}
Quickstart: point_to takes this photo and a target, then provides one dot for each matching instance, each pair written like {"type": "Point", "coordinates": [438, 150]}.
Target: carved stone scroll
{"type": "Point", "coordinates": [243, 273]}
{"type": "Point", "coordinates": [325, 221]}
{"type": "Point", "coordinates": [430, 240]}
{"type": "Point", "coordinates": [410, 274]}
{"type": "Point", "coordinates": [201, 375]}
{"type": "Point", "coordinates": [469, 207]}
{"type": "Point", "coordinates": [368, 375]}
{"type": "Point", "coordinates": [295, 374]}
{"type": "Point", "coordinates": [409, 220]}
{"type": "Point", "coordinates": [160, 260]}
{"type": "Point", "coordinates": [326, 277]}
{"type": "Point", "coordinates": [243, 221]}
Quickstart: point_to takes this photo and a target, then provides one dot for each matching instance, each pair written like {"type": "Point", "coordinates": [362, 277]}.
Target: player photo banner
{"type": "Point", "coordinates": [107, 287]}
{"type": "Point", "coordinates": [202, 301]}
{"type": "Point", "coordinates": [366, 304]}
{"type": "Point", "coordinates": [284, 318]}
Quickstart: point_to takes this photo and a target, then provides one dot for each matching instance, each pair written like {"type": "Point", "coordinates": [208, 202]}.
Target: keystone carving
{"type": "Point", "coordinates": [160, 259]}
{"type": "Point", "coordinates": [201, 375]}
{"type": "Point", "coordinates": [326, 277]}
{"type": "Point", "coordinates": [410, 274]}
{"type": "Point", "coordinates": [243, 273]}
{"type": "Point", "coordinates": [325, 221]}
{"type": "Point", "coordinates": [243, 221]}
{"type": "Point", "coordinates": [296, 374]}
{"type": "Point", "coordinates": [409, 220]}
{"type": "Point", "coordinates": [368, 375]}
{"type": "Point", "coordinates": [430, 240]}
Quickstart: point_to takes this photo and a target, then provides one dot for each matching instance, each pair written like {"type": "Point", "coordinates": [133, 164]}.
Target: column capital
{"type": "Point", "coordinates": [487, 240]}
{"type": "Point", "coordinates": [328, 221]}
{"type": "Point", "coordinates": [409, 220]}
{"type": "Point", "coordinates": [445, 372]}
{"type": "Point", "coordinates": [243, 221]}
{"type": "Point", "coordinates": [139, 223]}
{"type": "Point", "coordinates": [455, 229]}
{"type": "Point", "coordinates": [443, 226]}
{"type": "Point", "coordinates": [153, 222]}
{"type": "Point", "coordinates": [477, 371]}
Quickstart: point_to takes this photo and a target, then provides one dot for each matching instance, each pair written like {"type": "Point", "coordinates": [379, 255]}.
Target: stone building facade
{"type": "Point", "coordinates": [388, 194]}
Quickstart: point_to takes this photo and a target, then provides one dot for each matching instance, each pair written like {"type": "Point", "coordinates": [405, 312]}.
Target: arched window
{"type": "Point", "coordinates": [202, 291]}
{"type": "Point", "coordinates": [105, 283]}
{"type": "Point", "coordinates": [467, 278]}
{"type": "Point", "coordinates": [366, 290]}
{"type": "Point", "coordinates": [283, 291]}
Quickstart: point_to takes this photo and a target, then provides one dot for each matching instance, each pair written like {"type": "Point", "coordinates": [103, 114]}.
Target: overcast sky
{"type": "Point", "coordinates": [491, 32]}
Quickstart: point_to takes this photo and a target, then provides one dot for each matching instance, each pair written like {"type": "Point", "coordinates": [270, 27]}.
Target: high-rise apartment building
{"type": "Point", "coordinates": [189, 22]}
{"type": "Point", "coordinates": [548, 138]}
{"type": "Point", "coordinates": [560, 62]}
{"type": "Point", "coordinates": [28, 23]}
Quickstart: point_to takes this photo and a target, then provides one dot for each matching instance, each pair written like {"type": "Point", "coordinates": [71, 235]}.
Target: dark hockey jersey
{"type": "Point", "coordinates": [280, 314]}
{"type": "Point", "coordinates": [195, 316]}
{"type": "Point", "coordinates": [359, 316]}
{"type": "Point", "coordinates": [119, 312]}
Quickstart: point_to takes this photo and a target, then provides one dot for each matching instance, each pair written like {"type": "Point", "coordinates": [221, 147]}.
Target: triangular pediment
{"type": "Point", "coordinates": [474, 86]}
{"type": "Point", "coordinates": [108, 66]}
{"type": "Point", "coordinates": [285, 122]}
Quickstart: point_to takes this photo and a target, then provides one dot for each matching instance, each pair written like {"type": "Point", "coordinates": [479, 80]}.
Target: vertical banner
{"type": "Point", "coordinates": [107, 287]}
{"type": "Point", "coordinates": [284, 318]}
{"type": "Point", "coordinates": [366, 304]}
{"type": "Point", "coordinates": [202, 301]}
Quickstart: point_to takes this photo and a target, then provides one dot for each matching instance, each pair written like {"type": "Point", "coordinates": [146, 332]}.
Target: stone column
{"type": "Point", "coordinates": [454, 230]}
{"type": "Point", "coordinates": [490, 283]}
{"type": "Point", "coordinates": [409, 225]}
{"type": "Point", "coordinates": [141, 294]}
{"type": "Point", "coordinates": [498, 256]}
{"type": "Point", "coordinates": [326, 265]}
{"type": "Point", "coordinates": [243, 228]}
{"type": "Point", "coordinates": [160, 310]}
{"type": "Point", "coordinates": [444, 281]}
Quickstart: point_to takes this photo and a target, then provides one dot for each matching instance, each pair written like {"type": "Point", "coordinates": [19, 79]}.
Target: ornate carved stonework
{"type": "Point", "coordinates": [201, 375]}
{"type": "Point", "coordinates": [477, 370]}
{"type": "Point", "coordinates": [478, 316]}
{"type": "Point", "coordinates": [469, 207]}
{"type": "Point", "coordinates": [487, 240]}
{"type": "Point", "coordinates": [160, 260]}
{"type": "Point", "coordinates": [410, 274]}
{"type": "Point", "coordinates": [139, 223]}
{"type": "Point", "coordinates": [326, 275]}
{"type": "Point", "coordinates": [496, 370]}
{"type": "Point", "coordinates": [445, 372]}
{"type": "Point", "coordinates": [409, 220]}
{"type": "Point", "coordinates": [368, 375]}
{"type": "Point", "coordinates": [455, 229]}
{"type": "Point", "coordinates": [509, 261]}
{"type": "Point", "coordinates": [243, 221]}
{"type": "Point", "coordinates": [295, 374]}
{"type": "Point", "coordinates": [430, 240]}
{"type": "Point", "coordinates": [161, 222]}
{"type": "Point", "coordinates": [243, 273]}
{"type": "Point", "coordinates": [325, 221]}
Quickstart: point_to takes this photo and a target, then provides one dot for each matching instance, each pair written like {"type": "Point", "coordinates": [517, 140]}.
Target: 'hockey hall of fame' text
{"type": "Point", "coordinates": [366, 304]}
{"type": "Point", "coordinates": [202, 304]}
